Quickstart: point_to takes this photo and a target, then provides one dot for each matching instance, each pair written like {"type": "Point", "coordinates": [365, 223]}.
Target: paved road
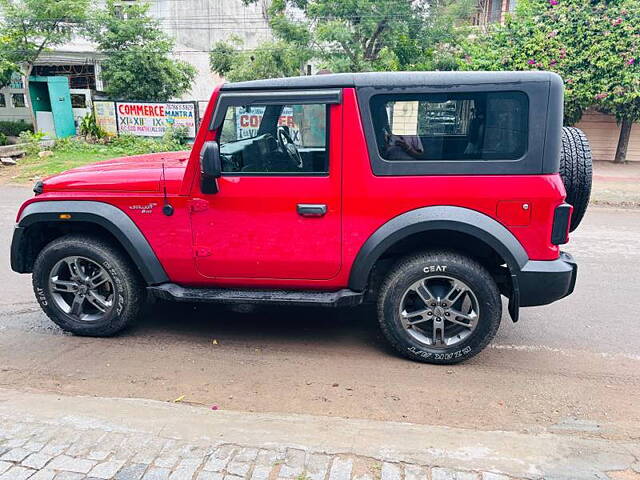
{"type": "Point", "coordinates": [571, 366]}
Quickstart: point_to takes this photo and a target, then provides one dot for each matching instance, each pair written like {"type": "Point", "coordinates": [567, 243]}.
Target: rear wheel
{"type": "Point", "coordinates": [439, 307]}
{"type": "Point", "coordinates": [87, 286]}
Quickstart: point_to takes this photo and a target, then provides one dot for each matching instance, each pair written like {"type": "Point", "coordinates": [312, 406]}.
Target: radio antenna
{"type": "Point", "coordinates": [167, 208]}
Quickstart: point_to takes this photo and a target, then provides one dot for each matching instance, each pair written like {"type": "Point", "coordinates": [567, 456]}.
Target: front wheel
{"type": "Point", "coordinates": [87, 286]}
{"type": "Point", "coordinates": [439, 307]}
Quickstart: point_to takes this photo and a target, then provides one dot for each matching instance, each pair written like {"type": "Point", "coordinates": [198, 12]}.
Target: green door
{"type": "Point", "coordinates": [60, 97]}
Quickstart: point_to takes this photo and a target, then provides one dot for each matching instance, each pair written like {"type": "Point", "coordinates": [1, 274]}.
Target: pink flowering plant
{"type": "Point", "coordinates": [594, 45]}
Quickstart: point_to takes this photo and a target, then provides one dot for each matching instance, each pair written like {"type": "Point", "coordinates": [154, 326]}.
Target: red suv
{"type": "Point", "coordinates": [432, 194]}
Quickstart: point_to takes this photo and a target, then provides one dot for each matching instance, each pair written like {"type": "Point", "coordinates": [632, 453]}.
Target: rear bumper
{"type": "Point", "coordinates": [543, 282]}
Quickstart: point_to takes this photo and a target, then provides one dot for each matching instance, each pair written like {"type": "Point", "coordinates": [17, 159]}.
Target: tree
{"type": "Point", "coordinates": [592, 44]}
{"type": "Point", "coordinates": [137, 61]}
{"type": "Point", "coordinates": [30, 27]}
{"type": "Point", "coordinates": [271, 59]}
{"type": "Point", "coordinates": [7, 69]}
{"type": "Point", "coordinates": [348, 36]}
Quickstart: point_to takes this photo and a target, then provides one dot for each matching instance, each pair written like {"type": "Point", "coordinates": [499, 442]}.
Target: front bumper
{"type": "Point", "coordinates": [543, 282]}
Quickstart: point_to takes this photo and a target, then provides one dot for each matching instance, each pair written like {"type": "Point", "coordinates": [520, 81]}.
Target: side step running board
{"type": "Point", "coordinates": [171, 291]}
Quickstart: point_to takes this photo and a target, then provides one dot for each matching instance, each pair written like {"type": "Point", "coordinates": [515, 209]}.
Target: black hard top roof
{"type": "Point", "coordinates": [393, 79]}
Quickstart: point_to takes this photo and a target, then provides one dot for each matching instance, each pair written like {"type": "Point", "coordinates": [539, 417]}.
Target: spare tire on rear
{"type": "Point", "coordinates": [576, 170]}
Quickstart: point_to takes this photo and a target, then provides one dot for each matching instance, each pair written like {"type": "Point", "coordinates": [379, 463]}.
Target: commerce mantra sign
{"type": "Point", "coordinates": [152, 119]}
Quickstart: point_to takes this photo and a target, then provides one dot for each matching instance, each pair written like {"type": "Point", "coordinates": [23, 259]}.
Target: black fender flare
{"type": "Point", "coordinates": [103, 214]}
{"type": "Point", "coordinates": [458, 219]}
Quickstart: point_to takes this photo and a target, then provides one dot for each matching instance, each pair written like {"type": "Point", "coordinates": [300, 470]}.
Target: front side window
{"type": "Point", "coordinates": [3, 100]}
{"type": "Point", "coordinates": [275, 139]}
{"type": "Point", "coordinates": [456, 126]}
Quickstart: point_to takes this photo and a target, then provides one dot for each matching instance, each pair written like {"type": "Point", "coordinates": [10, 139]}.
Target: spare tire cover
{"type": "Point", "coordinates": [576, 171]}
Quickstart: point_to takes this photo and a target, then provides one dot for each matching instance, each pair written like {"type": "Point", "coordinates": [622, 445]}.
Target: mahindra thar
{"type": "Point", "coordinates": [432, 194]}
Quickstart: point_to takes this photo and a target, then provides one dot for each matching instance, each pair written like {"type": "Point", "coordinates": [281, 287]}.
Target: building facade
{"type": "Point", "coordinates": [490, 11]}
{"type": "Point", "coordinates": [194, 24]}
{"type": "Point", "coordinates": [77, 60]}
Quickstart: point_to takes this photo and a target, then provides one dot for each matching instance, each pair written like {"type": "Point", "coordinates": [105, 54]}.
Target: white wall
{"type": "Point", "coordinates": [10, 112]}
{"type": "Point", "coordinates": [197, 24]}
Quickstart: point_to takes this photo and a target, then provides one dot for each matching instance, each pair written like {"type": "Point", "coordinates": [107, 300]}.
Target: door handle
{"type": "Point", "coordinates": [311, 209]}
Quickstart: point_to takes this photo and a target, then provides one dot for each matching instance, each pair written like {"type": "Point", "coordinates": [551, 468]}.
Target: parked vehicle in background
{"type": "Point", "coordinates": [432, 194]}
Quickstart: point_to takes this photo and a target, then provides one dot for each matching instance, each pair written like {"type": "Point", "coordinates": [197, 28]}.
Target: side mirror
{"type": "Point", "coordinates": [210, 167]}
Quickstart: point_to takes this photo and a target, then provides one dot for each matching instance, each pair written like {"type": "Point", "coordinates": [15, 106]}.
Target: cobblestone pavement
{"type": "Point", "coordinates": [53, 437]}
{"type": "Point", "coordinates": [48, 452]}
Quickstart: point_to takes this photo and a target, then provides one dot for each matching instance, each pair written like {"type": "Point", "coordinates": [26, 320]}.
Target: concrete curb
{"type": "Point", "coordinates": [543, 455]}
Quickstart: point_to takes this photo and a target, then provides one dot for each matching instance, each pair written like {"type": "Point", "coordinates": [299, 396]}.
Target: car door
{"type": "Point", "coordinates": [277, 212]}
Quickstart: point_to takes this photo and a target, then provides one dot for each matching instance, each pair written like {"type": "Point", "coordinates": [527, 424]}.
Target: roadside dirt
{"type": "Point", "coordinates": [616, 185]}
{"type": "Point", "coordinates": [573, 366]}
{"type": "Point", "coordinates": [8, 175]}
{"type": "Point", "coordinates": [324, 363]}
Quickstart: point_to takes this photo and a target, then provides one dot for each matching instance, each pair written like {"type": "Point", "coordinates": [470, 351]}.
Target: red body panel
{"type": "Point", "coordinates": [370, 201]}
{"type": "Point", "coordinates": [248, 234]}
{"type": "Point", "coordinates": [140, 173]}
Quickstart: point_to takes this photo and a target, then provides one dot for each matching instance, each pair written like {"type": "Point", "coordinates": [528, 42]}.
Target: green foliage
{"type": "Point", "coordinates": [348, 36]}
{"type": "Point", "coordinates": [7, 67]}
{"type": "Point", "coordinates": [132, 145]}
{"type": "Point", "coordinates": [271, 59]}
{"type": "Point", "coordinates": [3, 139]}
{"type": "Point", "coordinates": [137, 63]}
{"type": "Point", "coordinates": [90, 129]}
{"type": "Point", "coordinates": [176, 136]}
{"type": "Point", "coordinates": [122, 146]}
{"type": "Point", "coordinates": [222, 57]}
{"type": "Point", "coordinates": [13, 129]}
{"type": "Point", "coordinates": [31, 141]}
{"type": "Point", "coordinates": [30, 27]}
{"type": "Point", "coordinates": [593, 45]}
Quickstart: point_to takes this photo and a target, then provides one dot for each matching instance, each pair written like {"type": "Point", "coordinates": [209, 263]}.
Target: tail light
{"type": "Point", "coordinates": [561, 222]}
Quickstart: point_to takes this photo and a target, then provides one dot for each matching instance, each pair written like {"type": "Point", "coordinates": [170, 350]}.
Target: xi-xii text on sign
{"type": "Point", "coordinates": [153, 119]}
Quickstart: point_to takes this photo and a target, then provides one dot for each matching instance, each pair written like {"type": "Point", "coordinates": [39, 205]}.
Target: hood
{"type": "Point", "coordinates": [139, 173]}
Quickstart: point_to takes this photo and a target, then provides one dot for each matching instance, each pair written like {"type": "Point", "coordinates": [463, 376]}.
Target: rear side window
{"type": "Point", "coordinates": [451, 126]}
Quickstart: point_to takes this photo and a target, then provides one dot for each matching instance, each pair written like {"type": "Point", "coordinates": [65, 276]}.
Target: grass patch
{"type": "Point", "coordinates": [32, 166]}
{"type": "Point", "coordinates": [76, 152]}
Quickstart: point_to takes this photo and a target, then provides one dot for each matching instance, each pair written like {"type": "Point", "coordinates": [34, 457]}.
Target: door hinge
{"type": "Point", "coordinates": [199, 205]}
{"type": "Point", "coordinates": [203, 252]}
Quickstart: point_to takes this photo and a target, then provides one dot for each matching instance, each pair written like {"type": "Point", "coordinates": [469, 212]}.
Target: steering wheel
{"type": "Point", "coordinates": [286, 144]}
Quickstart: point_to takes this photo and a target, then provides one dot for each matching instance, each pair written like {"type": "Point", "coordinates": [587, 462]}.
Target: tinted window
{"type": "Point", "coordinates": [3, 100]}
{"type": "Point", "coordinates": [464, 126]}
{"type": "Point", "coordinates": [275, 139]}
